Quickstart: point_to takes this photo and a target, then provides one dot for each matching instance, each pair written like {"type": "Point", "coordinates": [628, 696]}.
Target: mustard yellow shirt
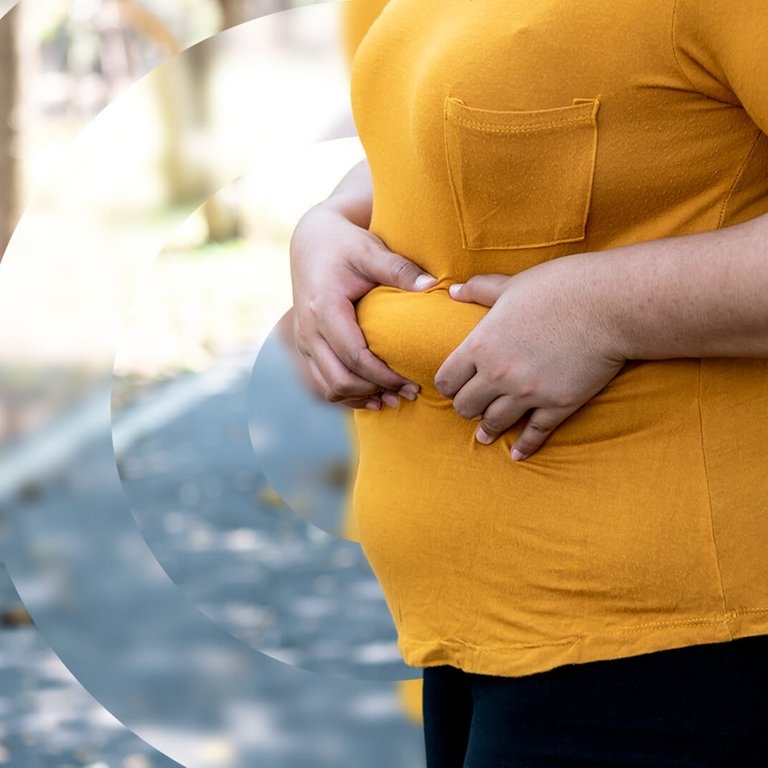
{"type": "Point", "coordinates": [500, 134]}
{"type": "Point", "coordinates": [356, 18]}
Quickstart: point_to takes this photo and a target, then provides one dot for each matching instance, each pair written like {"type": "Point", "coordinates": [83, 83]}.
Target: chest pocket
{"type": "Point", "coordinates": [521, 179]}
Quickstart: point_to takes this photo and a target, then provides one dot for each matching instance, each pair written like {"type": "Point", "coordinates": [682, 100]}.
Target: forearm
{"type": "Point", "coordinates": [556, 334]}
{"type": "Point", "coordinates": [700, 295]}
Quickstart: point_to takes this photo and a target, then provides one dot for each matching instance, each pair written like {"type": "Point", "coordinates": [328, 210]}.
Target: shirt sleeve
{"type": "Point", "coordinates": [722, 49]}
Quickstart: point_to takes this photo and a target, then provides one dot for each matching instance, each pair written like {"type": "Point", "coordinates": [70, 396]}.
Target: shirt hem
{"type": "Point", "coordinates": [520, 660]}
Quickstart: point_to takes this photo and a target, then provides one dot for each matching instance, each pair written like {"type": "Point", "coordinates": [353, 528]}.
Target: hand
{"type": "Point", "coordinates": [335, 262]}
{"type": "Point", "coordinates": [542, 347]}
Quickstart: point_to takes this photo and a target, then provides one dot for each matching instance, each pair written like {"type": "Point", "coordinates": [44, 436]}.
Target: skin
{"type": "Point", "coordinates": [335, 261]}
{"type": "Point", "coordinates": [555, 334]}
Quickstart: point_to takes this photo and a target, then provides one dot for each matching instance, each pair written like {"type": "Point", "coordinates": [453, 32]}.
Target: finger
{"type": "Point", "coordinates": [369, 402]}
{"type": "Point", "coordinates": [388, 268]}
{"type": "Point", "coordinates": [475, 397]}
{"type": "Point", "coordinates": [372, 403]}
{"type": "Point", "coordinates": [392, 399]}
{"type": "Point", "coordinates": [333, 381]}
{"type": "Point", "coordinates": [480, 289]}
{"type": "Point", "coordinates": [348, 345]}
{"type": "Point", "coordinates": [541, 424]}
{"type": "Point", "coordinates": [457, 369]}
{"type": "Point", "coordinates": [499, 416]}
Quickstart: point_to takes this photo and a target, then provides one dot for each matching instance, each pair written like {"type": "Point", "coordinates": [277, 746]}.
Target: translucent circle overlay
{"type": "Point", "coordinates": [95, 589]}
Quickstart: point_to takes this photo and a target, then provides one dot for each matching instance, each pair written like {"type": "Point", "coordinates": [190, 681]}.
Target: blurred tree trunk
{"type": "Point", "coordinates": [235, 12]}
{"type": "Point", "coordinates": [184, 102]}
{"type": "Point", "coordinates": [9, 186]}
{"type": "Point", "coordinates": [232, 13]}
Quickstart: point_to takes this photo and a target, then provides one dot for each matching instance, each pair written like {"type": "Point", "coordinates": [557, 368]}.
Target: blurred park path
{"type": "Point", "coordinates": [254, 566]}
{"type": "Point", "coordinates": [193, 430]}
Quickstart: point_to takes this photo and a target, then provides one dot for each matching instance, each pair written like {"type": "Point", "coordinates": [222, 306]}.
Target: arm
{"type": "Point", "coordinates": [697, 296]}
{"type": "Point", "coordinates": [335, 261]}
{"type": "Point", "coordinates": [558, 333]}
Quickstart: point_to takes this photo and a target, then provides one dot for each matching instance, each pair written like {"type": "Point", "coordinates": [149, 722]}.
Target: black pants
{"type": "Point", "coordinates": [703, 706]}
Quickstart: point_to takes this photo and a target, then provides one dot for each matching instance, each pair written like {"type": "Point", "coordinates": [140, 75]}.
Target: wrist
{"type": "Point", "coordinates": [353, 197]}
{"type": "Point", "coordinates": [605, 305]}
{"type": "Point", "coordinates": [354, 207]}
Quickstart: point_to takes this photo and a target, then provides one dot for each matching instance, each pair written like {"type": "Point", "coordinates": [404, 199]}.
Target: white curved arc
{"type": "Point", "coordinates": [81, 633]}
{"type": "Point", "coordinates": [6, 6]}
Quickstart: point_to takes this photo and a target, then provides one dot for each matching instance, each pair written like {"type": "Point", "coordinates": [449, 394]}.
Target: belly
{"type": "Point", "coordinates": [414, 332]}
{"type": "Point", "coordinates": [466, 541]}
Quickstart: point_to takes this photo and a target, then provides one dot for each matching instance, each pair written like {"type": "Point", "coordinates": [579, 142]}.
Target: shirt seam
{"type": "Point", "coordinates": [737, 178]}
{"type": "Point", "coordinates": [705, 468]}
{"type": "Point", "coordinates": [674, 45]}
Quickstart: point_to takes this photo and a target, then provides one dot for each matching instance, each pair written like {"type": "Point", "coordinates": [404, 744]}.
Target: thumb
{"type": "Point", "coordinates": [480, 289]}
{"type": "Point", "coordinates": [398, 272]}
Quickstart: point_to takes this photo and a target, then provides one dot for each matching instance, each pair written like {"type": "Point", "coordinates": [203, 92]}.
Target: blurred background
{"type": "Point", "coordinates": [171, 500]}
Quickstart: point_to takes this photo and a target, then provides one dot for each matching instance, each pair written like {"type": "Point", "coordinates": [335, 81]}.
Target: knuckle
{"type": "Point", "coordinates": [561, 398]}
{"type": "Point", "coordinates": [354, 358]}
{"type": "Point", "coordinates": [542, 425]}
{"type": "Point", "coordinates": [317, 309]}
{"type": "Point", "coordinates": [401, 269]}
{"type": "Point", "coordinates": [312, 308]}
{"type": "Point", "coordinates": [335, 389]}
{"type": "Point", "coordinates": [530, 440]}
{"type": "Point", "coordinates": [342, 389]}
{"type": "Point", "coordinates": [333, 396]}
{"type": "Point", "coordinates": [463, 409]}
{"type": "Point", "coordinates": [328, 392]}
{"type": "Point", "coordinates": [302, 338]}
{"type": "Point", "coordinates": [494, 425]}
{"type": "Point", "coordinates": [497, 373]}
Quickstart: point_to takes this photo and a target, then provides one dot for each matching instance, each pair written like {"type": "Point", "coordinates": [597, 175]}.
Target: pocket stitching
{"type": "Point", "coordinates": [492, 128]}
{"type": "Point", "coordinates": [489, 128]}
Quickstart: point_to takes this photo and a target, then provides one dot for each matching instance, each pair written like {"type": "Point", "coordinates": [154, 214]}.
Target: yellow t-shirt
{"type": "Point", "coordinates": [357, 16]}
{"type": "Point", "coordinates": [500, 134]}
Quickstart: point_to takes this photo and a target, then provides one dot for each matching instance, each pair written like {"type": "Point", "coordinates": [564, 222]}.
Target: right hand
{"type": "Point", "coordinates": [335, 262]}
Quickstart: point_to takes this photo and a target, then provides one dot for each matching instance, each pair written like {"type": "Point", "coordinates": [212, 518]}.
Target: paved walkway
{"type": "Point", "coordinates": [261, 572]}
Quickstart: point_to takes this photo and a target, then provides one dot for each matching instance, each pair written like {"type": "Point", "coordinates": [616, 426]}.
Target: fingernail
{"type": "Point", "coordinates": [391, 399]}
{"type": "Point", "coordinates": [516, 455]}
{"type": "Point", "coordinates": [455, 288]}
{"type": "Point", "coordinates": [373, 405]}
{"type": "Point", "coordinates": [409, 392]}
{"type": "Point", "coordinates": [424, 281]}
{"type": "Point", "coordinates": [483, 437]}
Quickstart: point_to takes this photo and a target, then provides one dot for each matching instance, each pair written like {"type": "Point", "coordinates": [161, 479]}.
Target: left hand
{"type": "Point", "coordinates": [543, 347]}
